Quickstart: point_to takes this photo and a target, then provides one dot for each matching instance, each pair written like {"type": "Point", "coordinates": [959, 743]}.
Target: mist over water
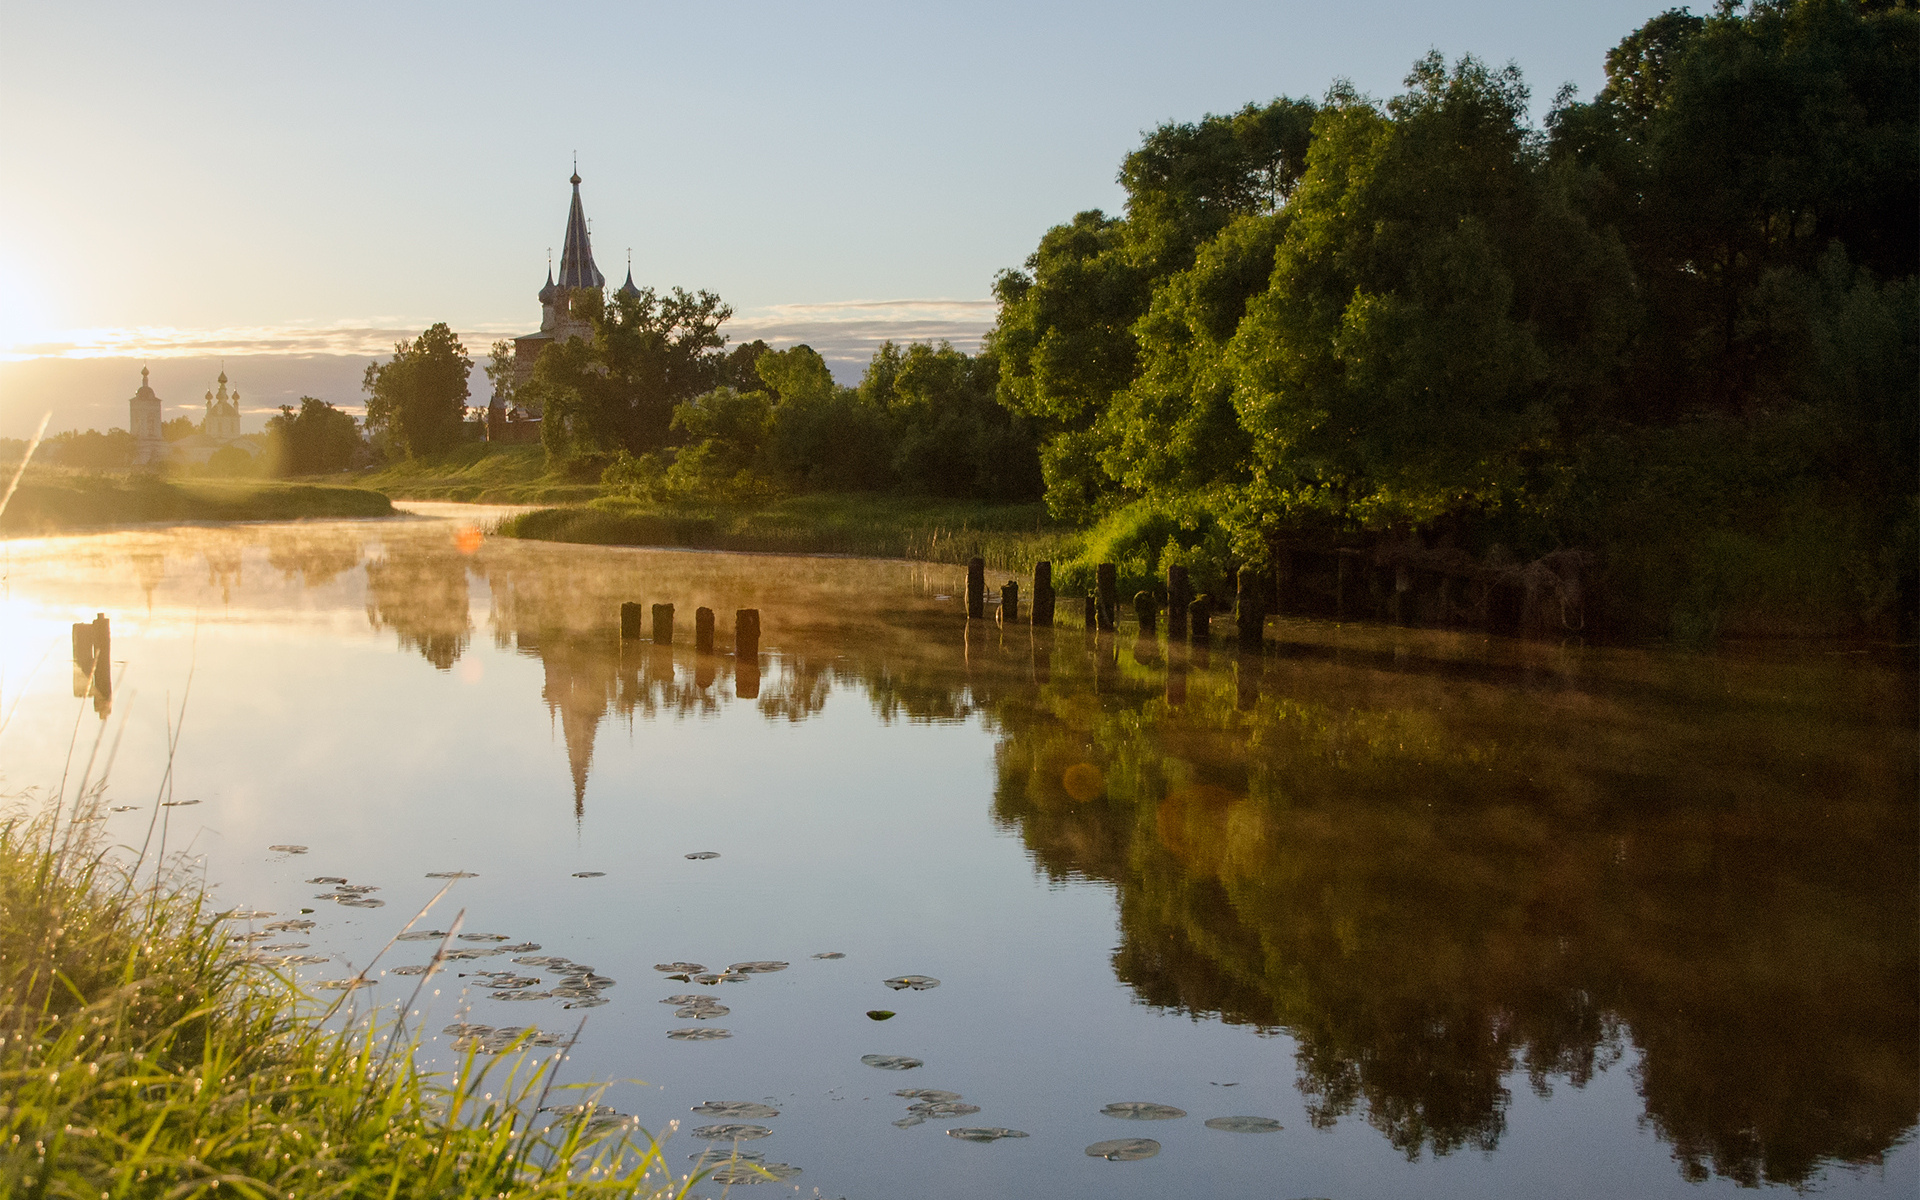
{"type": "Point", "coordinates": [1463, 916]}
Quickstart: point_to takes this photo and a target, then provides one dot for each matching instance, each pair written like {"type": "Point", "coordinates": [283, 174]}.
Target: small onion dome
{"type": "Point", "coordinates": [627, 288]}
{"type": "Point", "coordinates": [546, 293]}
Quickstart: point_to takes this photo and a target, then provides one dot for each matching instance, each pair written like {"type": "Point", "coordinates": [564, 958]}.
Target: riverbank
{"type": "Point", "coordinates": [50, 501]}
{"type": "Point", "coordinates": [480, 473]}
{"type": "Point", "coordinates": [143, 1054]}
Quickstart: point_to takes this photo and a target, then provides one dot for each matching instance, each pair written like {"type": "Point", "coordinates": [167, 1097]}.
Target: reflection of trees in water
{"type": "Point", "coordinates": [1431, 886]}
{"type": "Point", "coordinates": [317, 558]}
{"type": "Point", "coordinates": [420, 593]}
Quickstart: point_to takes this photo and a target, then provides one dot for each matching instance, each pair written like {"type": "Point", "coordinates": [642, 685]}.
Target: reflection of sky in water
{"type": "Point", "coordinates": [892, 788]}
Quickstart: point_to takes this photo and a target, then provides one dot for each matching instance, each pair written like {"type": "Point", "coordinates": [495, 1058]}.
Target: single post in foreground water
{"type": "Point", "coordinates": [663, 624]}
{"type": "Point", "coordinates": [1043, 593]}
{"type": "Point", "coordinates": [1199, 620]}
{"type": "Point", "coordinates": [1179, 596]}
{"type": "Point", "coordinates": [1250, 611]}
{"type": "Point", "coordinates": [630, 613]}
{"type": "Point", "coordinates": [1145, 612]}
{"type": "Point", "coordinates": [976, 588]}
{"type": "Point", "coordinates": [1093, 612]}
{"type": "Point", "coordinates": [746, 634]}
{"type": "Point", "coordinates": [1107, 581]}
{"type": "Point", "coordinates": [703, 630]}
{"type": "Point", "coordinates": [1010, 601]}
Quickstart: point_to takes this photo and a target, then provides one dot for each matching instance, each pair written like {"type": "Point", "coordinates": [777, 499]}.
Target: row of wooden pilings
{"type": "Point", "coordinates": [1189, 616]}
{"type": "Point", "coordinates": [746, 628]}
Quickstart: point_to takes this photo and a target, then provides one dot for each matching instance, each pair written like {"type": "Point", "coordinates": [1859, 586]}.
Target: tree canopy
{"type": "Point", "coordinates": [417, 400]}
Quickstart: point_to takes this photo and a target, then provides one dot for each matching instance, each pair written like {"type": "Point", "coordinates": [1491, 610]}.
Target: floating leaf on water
{"type": "Point", "coordinates": [744, 1109]}
{"type": "Point", "coordinates": [702, 1012]}
{"type": "Point", "coordinates": [421, 935]}
{"type": "Point", "coordinates": [520, 994]}
{"type": "Point", "coordinates": [468, 953]}
{"type": "Point", "coordinates": [932, 1109]}
{"type": "Point", "coordinates": [693, 1033]}
{"type": "Point", "coordinates": [506, 979]}
{"type": "Point", "coordinates": [918, 983]}
{"type": "Point", "coordinates": [290, 925]}
{"type": "Point", "coordinates": [989, 1133]}
{"type": "Point", "coordinates": [123, 808]}
{"type": "Point", "coordinates": [283, 947]}
{"type": "Point", "coordinates": [521, 947]}
{"type": "Point", "coordinates": [178, 803]}
{"type": "Point", "coordinates": [891, 1062]}
{"type": "Point", "coordinates": [483, 937]}
{"type": "Point", "coordinates": [306, 960]}
{"type": "Point", "coordinates": [880, 1014]}
{"type": "Point", "coordinates": [580, 1110]}
{"type": "Point", "coordinates": [466, 1029]}
{"type": "Point", "coordinates": [244, 914]}
{"type": "Point", "coordinates": [362, 902]}
{"type": "Point", "coordinates": [731, 1131]}
{"type": "Point", "coordinates": [757, 968]}
{"type": "Point", "coordinates": [283, 849]}
{"type": "Point", "coordinates": [343, 985]}
{"type": "Point", "coordinates": [928, 1094]}
{"type": "Point", "coordinates": [681, 978]}
{"type": "Point", "coordinates": [682, 968]}
{"type": "Point", "coordinates": [830, 954]}
{"type": "Point", "coordinates": [543, 960]}
{"type": "Point", "coordinates": [1245, 1124]}
{"type": "Point", "coordinates": [706, 980]}
{"type": "Point", "coordinates": [414, 970]}
{"type": "Point", "coordinates": [702, 855]}
{"type": "Point", "coordinates": [356, 888]}
{"type": "Point", "coordinates": [587, 1002]}
{"type": "Point", "coordinates": [327, 879]}
{"type": "Point", "coordinates": [909, 1121]}
{"type": "Point", "coordinates": [1124, 1149]}
{"type": "Point", "coordinates": [760, 1172]}
{"type": "Point", "coordinates": [690, 998]}
{"type": "Point", "coordinates": [1142, 1110]}
{"type": "Point", "coordinates": [453, 874]}
{"type": "Point", "coordinates": [588, 874]}
{"type": "Point", "coordinates": [719, 1154]}
{"type": "Point", "coordinates": [258, 935]}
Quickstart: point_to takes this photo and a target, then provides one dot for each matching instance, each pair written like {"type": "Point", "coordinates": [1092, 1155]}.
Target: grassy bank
{"type": "Point", "coordinates": [141, 1055]}
{"type": "Point", "coordinates": [1010, 537]}
{"type": "Point", "coordinates": [481, 474]}
{"type": "Point", "coordinates": [52, 500]}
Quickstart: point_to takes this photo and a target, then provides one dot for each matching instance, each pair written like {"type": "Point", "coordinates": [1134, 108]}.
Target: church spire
{"type": "Point", "coordinates": [576, 257]}
{"type": "Point", "coordinates": [627, 288]}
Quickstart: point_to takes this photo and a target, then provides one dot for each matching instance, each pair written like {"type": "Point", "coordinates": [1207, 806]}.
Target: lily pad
{"type": "Point", "coordinates": [362, 902]}
{"type": "Point", "coordinates": [701, 1012]}
{"type": "Point", "coordinates": [703, 855]}
{"type": "Point", "coordinates": [1124, 1149]}
{"type": "Point", "coordinates": [453, 874]}
{"type": "Point", "coordinates": [918, 983]}
{"type": "Point", "coordinates": [519, 947]}
{"type": "Point", "coordinates": [880, 1014]}
{"type": "Point", "coordinates": [747, 1173]}
{"type": "Point", "coordinates": [512, 981]}
{"type": "Point", "coordinates": [1245, 1124]}
{"type": "Point", "coordinates": [891, 1062]}
{"type": "Point", "coordinates": [244, 914]}
{"type": "Point", "coordinates": [327, 879]}
{"type": "Point", "coordinates": [680, 968]}
{"type": "Point", "coordinates": [1142, 1110]}
{"type": "Point", "coordinates": [304, 960]}
{"type": "Point", "coordinates": [466, 953]}
{"type": "Point", "coordinates": [483, 937]}
{"type": "Point", "coordinates": [284, 849]}
{"type": "Point", "coordinates": [543, 960]}
{"type": "Point", "coordinates": [719, 1154]}
{"type": "Point", "coordinates": [934, 1109]}
{"type": "Point", "coordinates": [284, 947]}
{"type": "Point", "coordinates": [123, 808]}
{"type": "Point", "coordinates": [830, 954]}
{"type": "Point", "coordinates": [587, 1002]}
{"type": "Point", "coordinates": [258, 935]}
{"type": "Point", "coordinates": [581, 1110]}
{"type": "Point", "coordinates": [414, 969]}
{"type": "Point", "coordinates": [421, 935]}
{"type": "Point", "coordinates": [732, 1131]}
{"type": "Point", "coordinates": [928, 1094]}
{"type": "Point", "coordinates": [295, 926]}
{"type": "Point", "coordinates": [746, 1110]}
{"type": "Point", "coordinates": [588, 874]}
{"type": "Point", "coordinates": [343, 985]}
{"type": "Point", "coordinates": [756, 968]}
{"type": "Point", "coordinates": [989, 1133]}
{"type": "Point", "coordinates": [909, 1121]}
{"type": "Point", "coordinates": [520, 994]}
{"type": "Point", "coordinates": [696, 1033]}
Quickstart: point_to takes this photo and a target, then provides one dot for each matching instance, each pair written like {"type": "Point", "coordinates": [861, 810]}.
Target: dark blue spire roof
{"type": "Point", "coordinates": [627, 288]}
{"type": "Point", "coordinates": [576, 257]}
{"type": "Point", "coordinates": [546, 293]}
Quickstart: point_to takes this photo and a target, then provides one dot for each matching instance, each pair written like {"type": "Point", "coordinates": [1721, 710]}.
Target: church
{"type": "Point", "coordinates": [219, 429]}
{"type": "Point", "coordinates": [557, 321]}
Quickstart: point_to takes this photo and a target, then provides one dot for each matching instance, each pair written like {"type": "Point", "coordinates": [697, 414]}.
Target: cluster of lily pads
{"type": "Point", "coordinates": [278, 954]}
{"type": "Point", "coordinates": [352, 895]}
{"type": "Point", "coordinates": [490, 1039]}
{"type": "Point", "coordinates": [733, 1165]}
{"type": "Point", "coordinates": [693, 1006]}
{"type": "Point", "coordinates": [1132, 1149]}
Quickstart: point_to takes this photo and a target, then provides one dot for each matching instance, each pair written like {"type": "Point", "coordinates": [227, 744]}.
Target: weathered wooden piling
{"type": "Point", "coordinates": [663, 624]}
{"type": "Point", "coordinates": [1043, 593]}
{"type": "Point", "coordinates": [746, 677]}
{"type": "Point", "coordinates": [1250, 610]}
{"type": "Point", "coordinates": [746, 634]}
{"type": "Point", "coordinates": [1010, 601]}
{"type": "Point", "coordinates": [1106, 580]}
{"type": "Point", "coordinates": [703, 630]}
{"type": "Point", "coordinates": [1146, 612]}
{"type": "Point", "coordinates": [1200, 620]}
{"type": "Point", "coordinates": [93, 656]}
{"type": "Point", "coordinates": [976, 588]}
{"type": "Point", "coordinates": [630, 614]}
{"type": "Point", "coordinates": [1093, 613]}
{"type": "Point", "coordinates": [1179, 596]}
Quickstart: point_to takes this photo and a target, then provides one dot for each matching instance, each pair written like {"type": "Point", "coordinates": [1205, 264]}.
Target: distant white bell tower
{"type": "Point", "coordinates": [143, 421]}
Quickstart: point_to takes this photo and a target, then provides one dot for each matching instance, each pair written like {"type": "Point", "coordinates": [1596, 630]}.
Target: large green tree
{"type": "Point", "coordinates": [314, 439]}
{"type": "Point", "coordinates": [417, 400]}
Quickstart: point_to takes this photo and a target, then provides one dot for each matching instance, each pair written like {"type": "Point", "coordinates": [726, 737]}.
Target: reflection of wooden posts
{"type": "Point", "coordinates": [1176, 669]}
{"type": "Point", "coordinates": [1200, 620]}
{"type": "Point", "coordinates": [1250, 611]}
{"type": "Point", "coordinates": [663, 624]}
{"type": "Point", "coordinates": [703, 630]}
{"type": "Point", "coordinates": [1179, 596]}
{"type": "Point", "coordinates": [703, 672]}
{"type": "Point", "coordinates": [1145, 612]}
{"type": "Point", "coordinates": [746, 678]}
{"type": "Point", "coordinates": [93, 659]}
{"type": "Point", "coordinates": [1010, 602]}
{"type": "Point", "coordinates": [630, 613]}
{"type": "Point", "coordinates": [976, 588]}
{"type": "Point", "coordinates": [746, 634]}
{"type": "Point", "coordinates": [1043, 593]}
{"type": "Point", "coordinates": [1093, 613]}
{"type": "Point", "coordinates": [1106, 580]}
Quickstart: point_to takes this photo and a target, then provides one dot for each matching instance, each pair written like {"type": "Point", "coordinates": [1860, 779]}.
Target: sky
{"type": "Point", "coordinates": [289, 189]}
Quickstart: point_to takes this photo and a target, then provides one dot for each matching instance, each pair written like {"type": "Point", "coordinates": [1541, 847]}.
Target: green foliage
{"type": "Point", "coordinates": [175, 428]}
{"type": "Point", "coordinates": [49, 500]}
{"type": "Point", "coordinates": [417, 401]}
{"type": "Point", "coordinates": [319, 438]}
{"type": "Point", "coordinates": [89, 448]}
{"type": "Point", "coordinates": [951, 438]}
{"type": "Point", "coordinates": [501, 370]}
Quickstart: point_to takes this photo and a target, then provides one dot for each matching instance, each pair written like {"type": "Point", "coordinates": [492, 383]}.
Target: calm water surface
{"type": "Point", "coordinates": [1466, 917]}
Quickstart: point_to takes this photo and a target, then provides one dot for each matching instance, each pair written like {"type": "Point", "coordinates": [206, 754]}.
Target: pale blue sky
{"type": "Point", "coordinates": [279, 178]}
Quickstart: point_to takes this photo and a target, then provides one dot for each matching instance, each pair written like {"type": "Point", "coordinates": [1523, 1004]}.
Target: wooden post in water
{"type": "Point", "coordinates": [1179, 596]}
{"type": "Point", "coordinates": [1199, 620]}
{"type": "Point", "coordinates": [703, 630]}
{"type": "Point", "coordinates": [1043, 593]}
{"type": "Point", "coordinates": [1093, 613]}
{"type": "Point", "coordinates": [746, 633]}
{"type": "Point", "coordinates": [1250, 611]}
{"type": "Point", "coordinates": [1010, 602]}
{"type": "Point", "coordinates": [1106, 579]}
{"type": "Point", "coordinates": [976, 588]}
{"type": "Point", "coordinates": [93, 655]}
{"type": "Point", "coordinates": [663, 624]}
{"type": "Point", "coordinates": [1145, 612]}
{"type": "Point", "coordinates": [630, 613]}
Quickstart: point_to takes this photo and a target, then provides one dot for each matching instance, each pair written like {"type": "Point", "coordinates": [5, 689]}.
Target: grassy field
{"type": "Point", "coordinates": [52, 499]}
{"type": "Point", "coordinates": [143, 1054]}
{"type": "Point", "coordinates": [480, 474]}
{"type": "Point", "coordinates": [1010, 537]}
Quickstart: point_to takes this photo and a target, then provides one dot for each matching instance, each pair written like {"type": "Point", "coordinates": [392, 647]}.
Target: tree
{"type": "Point", "coordinates": [175, 428]}
{"type": "Point", "coordinates": [501, 369]}
{"type": "Point", "coordinates": [316, 439]}
{"type": "Point", "coordinates": [417, 401]}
